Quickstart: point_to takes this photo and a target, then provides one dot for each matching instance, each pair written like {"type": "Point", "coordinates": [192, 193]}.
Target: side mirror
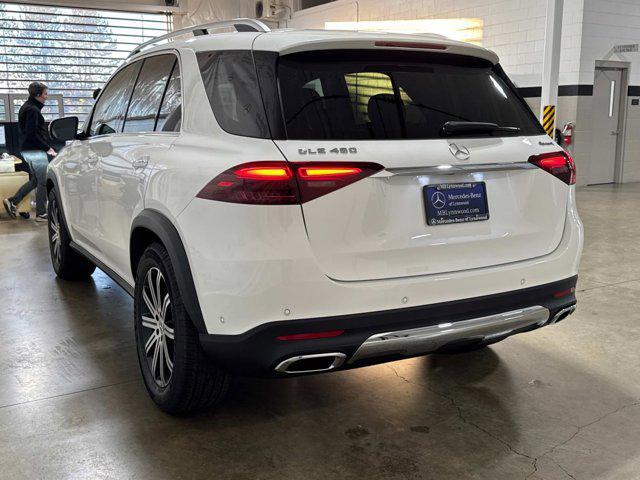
{"type": "Point", "coordinates": [64, 129]}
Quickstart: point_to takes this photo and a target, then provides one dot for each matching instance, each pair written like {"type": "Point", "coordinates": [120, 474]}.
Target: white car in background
{"type": "Point", "coordinates": [291, 202]}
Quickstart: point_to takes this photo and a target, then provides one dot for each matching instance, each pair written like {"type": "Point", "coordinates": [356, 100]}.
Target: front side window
{"type": "Point", "coordinates": [392, 95]}
{"type": "Point", "coordinates": [109, 112]}
{"type": "Point", "coordinates": [171, 109]}
{"type": "Point", "coordinates": [232, 88]}
{"type": "Point", "coordinates": [148, 93]}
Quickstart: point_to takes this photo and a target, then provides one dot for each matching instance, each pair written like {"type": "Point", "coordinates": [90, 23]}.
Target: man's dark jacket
{"type": "Point", "coordinates": [32, 126]}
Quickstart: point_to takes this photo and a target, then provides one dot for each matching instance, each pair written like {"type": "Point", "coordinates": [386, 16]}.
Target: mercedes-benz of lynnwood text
{"type": "Point", "coordinates": [291, 202]}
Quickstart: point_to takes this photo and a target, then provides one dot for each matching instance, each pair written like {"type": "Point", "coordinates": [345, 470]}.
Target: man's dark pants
{"type": "Point", "coordinates": [37, 162]}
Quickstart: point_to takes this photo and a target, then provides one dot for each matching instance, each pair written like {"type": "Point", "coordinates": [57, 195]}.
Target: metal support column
{"type": "Point", "coordinates": [551, 65]}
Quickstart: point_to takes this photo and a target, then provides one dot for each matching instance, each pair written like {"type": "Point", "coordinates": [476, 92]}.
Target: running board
{"type": "Point", "coordinates": [419, 341]}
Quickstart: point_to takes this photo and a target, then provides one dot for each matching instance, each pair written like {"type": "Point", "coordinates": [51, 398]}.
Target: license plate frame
{"type": "Point", "coordinates": [454, 203]}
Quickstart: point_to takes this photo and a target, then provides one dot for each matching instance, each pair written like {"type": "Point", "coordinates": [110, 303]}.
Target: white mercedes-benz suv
{"type": "Point", "coordinates": [292, 202]}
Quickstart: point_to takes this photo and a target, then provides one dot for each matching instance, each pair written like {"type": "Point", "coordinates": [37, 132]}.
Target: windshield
{"type": "Point", "coordinates": [393, 95]}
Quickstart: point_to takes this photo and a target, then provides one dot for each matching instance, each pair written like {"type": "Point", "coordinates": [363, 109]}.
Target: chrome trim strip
{"type": "Point", "coordinates": [568, 310]}
{"type": "Point", "coordinates": [453, 169]}
{"type": "Point", "coordinates": [423, 340]}
{"type": "Point", "coordinates": [285, 364]}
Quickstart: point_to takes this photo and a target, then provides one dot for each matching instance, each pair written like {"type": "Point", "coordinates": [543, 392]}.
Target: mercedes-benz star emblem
{"type": "Point", "coordinates": [438, 200]}
{"type": "Point", "coordinates": [459, 151]}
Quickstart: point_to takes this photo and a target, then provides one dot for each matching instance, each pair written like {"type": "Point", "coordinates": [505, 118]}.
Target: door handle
{"type": "Point", "coordinates": [614, 132]}
{"type": "Point", "coordinates": [141, 162]}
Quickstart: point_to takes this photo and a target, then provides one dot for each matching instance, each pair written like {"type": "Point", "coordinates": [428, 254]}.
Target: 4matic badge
{"type": "Point", "coordinates": [324, 151]}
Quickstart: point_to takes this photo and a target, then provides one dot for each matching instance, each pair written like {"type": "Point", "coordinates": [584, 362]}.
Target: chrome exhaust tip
{"type": "Point", "coordinates": [562, 314]}
{"type": "Point", "coordinates": [316, 363]}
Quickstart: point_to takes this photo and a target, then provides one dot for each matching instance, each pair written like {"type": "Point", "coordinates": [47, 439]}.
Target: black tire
{"type": "Point", "coordinates": [67, 263]}
{"type": "Point", "coordinates": [194, 383]}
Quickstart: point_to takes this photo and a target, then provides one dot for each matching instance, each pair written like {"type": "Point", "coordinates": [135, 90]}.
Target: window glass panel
{"type": "Point", "coordinates": [171, 110]}
{"type": "Point", "coordinates": [380, 95]}
{"type": "Point", "coordinates": [112, 105]}
{"type": "Point", "coordinates": [72, 50]}
{"type": "Point", "coordinates": [147, 94]}
{"type": "Point", "coordinates": [232, 88]}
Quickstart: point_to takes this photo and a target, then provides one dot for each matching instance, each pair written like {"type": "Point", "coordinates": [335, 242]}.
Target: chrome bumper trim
{"type": "Point", "coordinates": [453, 169]}
{"type": "Point", "coordinates": [565, 312]}
{"type": "Point", "coordinates": [423, 340]}
{"type": "Point", "coordinates": [338, 360]}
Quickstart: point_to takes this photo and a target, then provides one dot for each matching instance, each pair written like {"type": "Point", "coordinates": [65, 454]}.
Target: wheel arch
{"type": "Point", "coordinates": [151, 226]}
{"type": "Point", "coordinates": [52, 182]}
{"type": "Point", "coordinates": [52, 185]}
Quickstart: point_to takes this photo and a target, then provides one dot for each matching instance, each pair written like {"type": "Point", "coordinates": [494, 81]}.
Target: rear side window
{"type": "Point", "coordinates": [148, 93]}
{"type": "Point", "coordinates": [171, 110]}
{"type": "Point", "coordinates": [109, 112]}
{"type": "Point", "coordinates": [393, 95]}
{"type": "Point", "coordinates": [232, 88]}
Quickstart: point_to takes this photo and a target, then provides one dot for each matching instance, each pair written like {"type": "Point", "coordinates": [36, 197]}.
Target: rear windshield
{"type": "Point", "coordinates": [393, 95]}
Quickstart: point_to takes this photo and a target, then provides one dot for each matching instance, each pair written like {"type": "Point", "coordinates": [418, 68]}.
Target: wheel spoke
{"type": "Point", "coordinates": [150, 284]}
{"type": "Point", "coordinates": [154, 362]}
{"type": "Point", "coordinates": [161, 363]}
{"type": "Point", "coordinates": [167, 357]}
{"type": "Point", "coordinates": [149, 322]}
{"type": "Point", "coordinates": [148, 301]}
{"type": "Point", "coordinates": [168, 331]}
{"type": "Point", "coordinates": [158, 291]}
{"type": "Point", "coordinates": [153, 339]}
{"type": "Point", "coordinates": [165, 306]}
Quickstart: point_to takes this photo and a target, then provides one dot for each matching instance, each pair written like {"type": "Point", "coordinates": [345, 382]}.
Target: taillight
{"type": "Point", "coordinates": [310, 336]}
{"type": "Point", "coordinates": [258, 183]}
{"type": "Point", "coordinates": [558, 164]}
{"type": "Point", "coordinates": [282, 183]}
{"type": "Point", "coordinates": [316, 179]}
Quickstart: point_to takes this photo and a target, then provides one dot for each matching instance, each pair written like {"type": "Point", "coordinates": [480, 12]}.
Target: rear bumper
{"type": "Point", "coordinates": [376, 337]}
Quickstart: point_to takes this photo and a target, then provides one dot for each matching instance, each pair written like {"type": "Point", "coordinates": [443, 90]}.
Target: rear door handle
{"type": "Point", "coordinates": [141, 162]}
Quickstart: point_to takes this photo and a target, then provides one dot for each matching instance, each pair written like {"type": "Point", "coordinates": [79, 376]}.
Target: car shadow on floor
{"type": "Point", "coordinates": [504, 411]}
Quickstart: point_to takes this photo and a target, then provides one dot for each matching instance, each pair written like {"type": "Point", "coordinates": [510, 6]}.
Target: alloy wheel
{"type": "Point", "coordinates": [157, 327]}
{"type": "Point", "coordinates": [54, 227]}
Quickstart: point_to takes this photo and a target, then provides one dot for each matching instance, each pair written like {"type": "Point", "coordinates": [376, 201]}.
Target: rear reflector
{"type": "Point", "coordinates": [564, 293]}
{"type": "Point", "coordinates": [558, 164]}
{"type": "Point", "coordinates": [311, 336]}
{"type": "Point", "coordinates": [282, 183]}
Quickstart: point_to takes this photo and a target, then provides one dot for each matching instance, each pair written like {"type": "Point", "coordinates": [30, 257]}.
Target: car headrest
{"type": "Point", "coordinates": [384, 116]}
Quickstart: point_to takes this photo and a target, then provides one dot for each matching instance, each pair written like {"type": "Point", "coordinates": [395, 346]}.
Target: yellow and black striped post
{"type": "Point", "coordinates": [549, 119]}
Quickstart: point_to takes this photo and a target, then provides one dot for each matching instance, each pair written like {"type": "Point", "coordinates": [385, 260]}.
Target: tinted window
{"type": "Point", "coordinates": [110, 110]}
{"type": "Point", "coordinates": [364, 95]}
{"type": "Point", "coordinates": [232, 88]}
{"type": "Point", "coordinates": [148, 92]}
{"type": "Point", "coordinates": [171, 110]}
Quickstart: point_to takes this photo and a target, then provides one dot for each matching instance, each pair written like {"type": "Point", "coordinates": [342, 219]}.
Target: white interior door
{"type": "Point", "coordinates": [606, 125]}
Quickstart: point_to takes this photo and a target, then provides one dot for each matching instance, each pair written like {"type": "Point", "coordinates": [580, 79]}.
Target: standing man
{"type": "Point", "coordinates": [35, 145]}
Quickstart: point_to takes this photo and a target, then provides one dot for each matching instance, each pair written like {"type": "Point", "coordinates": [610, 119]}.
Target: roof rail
{"type": "Point", "coordinates": [240, 24]}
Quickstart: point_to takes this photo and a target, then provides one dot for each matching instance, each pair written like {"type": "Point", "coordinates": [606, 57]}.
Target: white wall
{"type": "Point", "coordinates": [514, 29]}
{"type": "Point", "coordinates": [608, 23]}
{"type": "Point", "coordinates": [203, 11]}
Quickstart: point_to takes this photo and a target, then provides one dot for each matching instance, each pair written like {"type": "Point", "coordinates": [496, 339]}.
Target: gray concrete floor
{"type": "Point", "coordinates": [561, 402]}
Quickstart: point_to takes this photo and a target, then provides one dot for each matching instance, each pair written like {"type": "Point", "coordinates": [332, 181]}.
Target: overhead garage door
{"type": "Point", "coordinates": [72, 50]}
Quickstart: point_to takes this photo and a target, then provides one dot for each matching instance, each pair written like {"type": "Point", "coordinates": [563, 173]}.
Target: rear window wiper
{"type": "Point", "coordinates": [451, 129]}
